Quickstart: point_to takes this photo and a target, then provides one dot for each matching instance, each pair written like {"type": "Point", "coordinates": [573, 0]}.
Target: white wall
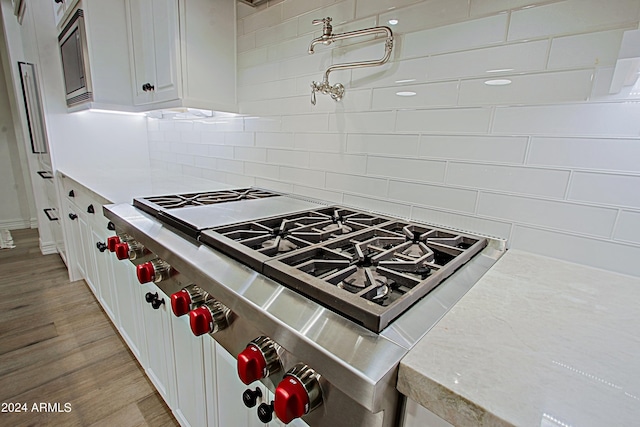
{"type": "Point", "coordinates": [15, 212]}
{"type": "Point", "coordinates": [550, 161]}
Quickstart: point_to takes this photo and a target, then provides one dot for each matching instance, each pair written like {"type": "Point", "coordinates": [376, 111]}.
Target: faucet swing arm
{"type": "Point", "coordinates": [337, 91]}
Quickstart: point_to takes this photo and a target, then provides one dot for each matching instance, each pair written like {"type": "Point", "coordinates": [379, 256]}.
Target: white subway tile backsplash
{"type": "Point", "coordinates": [594, 119]}
{"type": "Point", "coordinates": [293, 8]}
{"type": "Point", "coordinates": [460, 36]}
{"type": "Point", "coordinates": [373, 122]}
{"type": "Point", "coordinates": [585, 50]}
{"type": "Point", "coordinates": [206, 163]}
{"type": "Point", "coordinates": [222, 151]}
{"type": "Point", "coordinates": [426, 14]}
{"type": "Point", "coordinates": [468, 223]}
{"type": "Point", "coordinates": [197, 149]}
{"type": "Point", "coordinates": [288, 158]}
{"type": "Point", "coordinates": [493, 149]}
{"type": "Point", "coordinates": [261, 170]}
{"type": "Point", "coordinates": [628, 227]}
{"type": "Point", "coordinates": [246, 42]}
{"type": "Point", "coordinates": [306, 177]}
{"type": "Point", "coordinates": [262, 124]}
{"type": "Point", "coordinates": [562, 216]}
{"type": "Point", "coordinates": [412, 169]}
{"type": "Point", "coordinates": [570, 16]}
{"type": "Point", "coordinates": [593, 252]}
{"type": "Point", "coordinates": [274, 139]}
{"type": "Point", "coordinates": [317, 194]}
{"type": "Point", "coordinates": [264, 18]}
{"type": "Point", "coordinates": [540, 182]}
{"type": "Point", "coordinates": [239, 138]}
{"type": "Point", "coordinates": [251, 154]}
{"type": "Point", "coordinates": [485, 7]}
{"type": "Point", "coordinates": [394, 144]}
{"type": "Point", "coordinates": [345, 163]}
{"type": "Point", "coordinates": [252, 58]}
{"type": "Point", "coordinates": [416, 96]}
{"type": "Point", "coordinates": [435, 196]}
{"type": "Point", "coordinates": [453, 120]}
{"type": "Point", "coordinates": [374, 7]}
{"type": "Point", "coordinates": [377, 205]}
{"type": "Point", "coordinates": [283, 187]}
{"type": "Point", "coordinates": [341, 12]}
{"type": "Point", "coordinates": [305, 123]}
{"type": "Point", "coordinates": [600, 188]}
{"type": "Point", "coordinates": [586, 153]}
{"type": "Point", "coordinates": [564, 86]}
{"type": "Point", "coordinates": [276, 33]}
{"type": "Point", "coordinates": [489, 62]}
{"type": "Point", "coordinates": [233, 166]}
{"type": "Point", "coordinates": [495, 161]}
{"type": "Point", "coordinates": [326, 142]}
{"type": "Point", "coordinates": [356, 184]}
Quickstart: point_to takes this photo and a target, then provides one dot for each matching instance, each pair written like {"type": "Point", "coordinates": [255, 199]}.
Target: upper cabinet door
{"type": "Point", "coordinates": [155, 48]}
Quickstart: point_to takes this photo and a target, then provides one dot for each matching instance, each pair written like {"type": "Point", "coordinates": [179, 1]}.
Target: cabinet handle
{"type": "Point", "coordinates": [111, 226]}
{"type": "Point", "coordinates": [148, 87]}
{"type": "Point", "coordinates": [47, 212]}
{"type": "Point", "coordinates": [102, 246]}
{"type": "Point", "coordinates": [149, 297]}
{"type": "Point", "coordinates": [73, 216]}
{"type": "Point", "coordinates": [265, 412]}
{"type": "Point", "coordinates": [45, 174]}
{"type": "Point", "coordinates": [250, 397]}
{"type": "Point", "coordinates": [90, 209]}
{"type": "Point", "coordinates": [58, 1]}
{"type": "Point", "coordinates": [72, 193]}
{"type": "Point", "coordinates": [157, 303]}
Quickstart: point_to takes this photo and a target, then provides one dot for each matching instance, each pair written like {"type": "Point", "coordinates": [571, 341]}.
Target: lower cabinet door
{"type": "Point", "coordinates": [191, 405]}
{"type": "Point", "coordinates": [417, 416]}
{"type": "Point", "coordinates": [129, 300]}
{"type": "Point", "coordinates": [160, 365]}
{"type": "Point", "coordinates": [228, 393]}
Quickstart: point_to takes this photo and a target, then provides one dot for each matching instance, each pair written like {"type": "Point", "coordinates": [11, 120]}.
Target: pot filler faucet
{"type": "Point", "coordinates": [337, 91]}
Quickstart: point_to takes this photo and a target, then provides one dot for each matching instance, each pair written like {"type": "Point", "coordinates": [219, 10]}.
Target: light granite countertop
{"type": "Point", "coordinates": [125, 184]}
{"type": "Point", "coordinates": [536, 342]}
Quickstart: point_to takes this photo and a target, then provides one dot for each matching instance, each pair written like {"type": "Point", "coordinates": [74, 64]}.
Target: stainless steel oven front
{"type": "Point", "coordinates": [75, 60]}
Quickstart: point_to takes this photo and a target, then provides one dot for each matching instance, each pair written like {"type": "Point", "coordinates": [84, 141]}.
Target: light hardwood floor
{"type": "Point", "coordinates": [58, 346]}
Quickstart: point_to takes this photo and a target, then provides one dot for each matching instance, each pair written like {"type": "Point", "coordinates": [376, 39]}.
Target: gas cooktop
{"type": "Point", "coordinates": [368, 268]}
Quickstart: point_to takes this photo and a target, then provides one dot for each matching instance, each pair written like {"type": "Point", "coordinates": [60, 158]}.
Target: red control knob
{"type": "Point", "coordinates": [112, 242]}
{"type": "Point", "coordinates": [201, 321]}
{"type": "Point", "coordinates": [181, 303]}
{"type": "Point", "coordinates": [291, 401]}
{"type": "Point", "coordinates": [122, 251]}
{"type": "Point", "coordinates": [146, 272]}
{"type": "Point", "coordinates": [252, 365]}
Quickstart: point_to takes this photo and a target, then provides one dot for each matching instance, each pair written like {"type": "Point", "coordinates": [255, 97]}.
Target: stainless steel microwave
{"type": "Point", "coordinates": [75, 60]}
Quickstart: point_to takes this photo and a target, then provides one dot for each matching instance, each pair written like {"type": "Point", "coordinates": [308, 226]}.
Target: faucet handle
{"type": "Point", "coordinates": [325, 21]}
{"type": "Point", "coordinates": [326, 26]}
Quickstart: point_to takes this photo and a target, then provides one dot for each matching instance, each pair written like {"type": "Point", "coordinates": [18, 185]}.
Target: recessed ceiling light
{"type": "Point", "coordinates": [498, 82]}
{"type": "Point", "coordinates": [407, 93]}
{"type": "Point", "coordinates": [393, 22]}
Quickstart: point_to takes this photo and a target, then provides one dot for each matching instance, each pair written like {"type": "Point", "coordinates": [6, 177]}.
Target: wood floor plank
{"type": "Point", "coordinates": [58, 346]}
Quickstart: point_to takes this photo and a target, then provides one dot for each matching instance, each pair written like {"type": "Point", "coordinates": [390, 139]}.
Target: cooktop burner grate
{"type": "Point", "coordinates": [157, 204]}
{"type": "Point", "coordinates": [367, 267]}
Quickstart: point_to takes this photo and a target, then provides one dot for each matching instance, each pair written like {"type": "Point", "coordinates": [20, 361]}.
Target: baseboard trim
{"type": "Point", "coordinates": [18, 224]}
{"type": "Point", "coordinates": [48, 248]}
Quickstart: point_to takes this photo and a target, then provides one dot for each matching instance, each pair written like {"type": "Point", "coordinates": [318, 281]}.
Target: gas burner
{"type": "Point", "coordinates": [175, 201]}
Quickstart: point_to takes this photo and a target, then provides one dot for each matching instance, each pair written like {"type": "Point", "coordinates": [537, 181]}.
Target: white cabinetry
{"type": "Point", "coordinates": [191, 399]}
{"type": "Point", "coordinates": [183, 53]}
{"type": "Point", "coordinates": [61, 9]}
{"type": "Point", "coordinates": [418, 416]}
{"type": "Point", "coordinates": [107, 45]}
{"type": "Point", "coordinates": [160, 366]}
{"type": "Point", "coordinates": [226, 389]}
